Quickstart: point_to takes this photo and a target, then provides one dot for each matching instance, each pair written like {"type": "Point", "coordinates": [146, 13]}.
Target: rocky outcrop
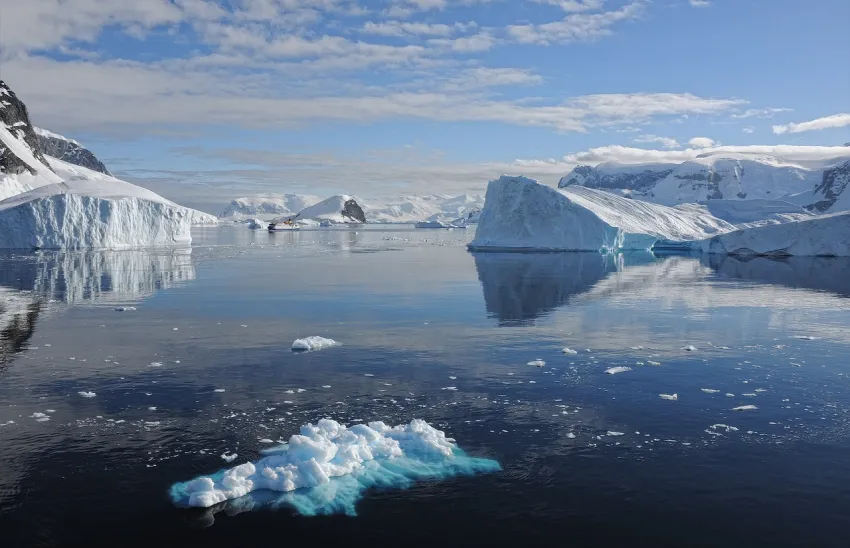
{"type": "Point", "coordinates": [69, 151]}
{"type": "Point", "coordinates": [353, 211]}
{"type": "Point", "coordinates": [832, 188]}
{"type": "Point", "coordinates": [16, 120]}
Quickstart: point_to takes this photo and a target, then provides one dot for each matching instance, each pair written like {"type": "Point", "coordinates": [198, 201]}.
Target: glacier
{"type": "Point", "coordinates": [327, 467]}
{"type": "Point", "coordinates": [520, 214]}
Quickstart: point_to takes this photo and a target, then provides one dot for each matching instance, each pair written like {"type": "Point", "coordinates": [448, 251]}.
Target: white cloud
{"type": "Point", "coordinates": [759, 113]}
{"type": "Point", "coordinates": [666, 142]}
{"type": "Point", "coordinates": [749, 129]}
{"type": "Point", "coordinates": [404, 28]}
{"type": "Point", "coordinates": [574, 6]}
{"type": "Point", "coordinates": [701, 142]}
{"type": "Point", "coordinates": [578, 27]}
{"type": "Point", "coordinates": [827, 122]}
{"type": "Point", "coordinates": [699, 3]}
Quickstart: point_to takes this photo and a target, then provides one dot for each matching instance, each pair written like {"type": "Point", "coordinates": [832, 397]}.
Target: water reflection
{"type": "Point", "coordinates": [521, 287]}
{"type": "Point", "coordinates": [830, 274]}
{"type": "Point", "coordinates": [18, 316]}
{"type": "Point", "coordinates": [103, 276]}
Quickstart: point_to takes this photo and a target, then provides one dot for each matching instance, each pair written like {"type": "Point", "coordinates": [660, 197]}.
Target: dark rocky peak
{"type": "Point", "coordinates": [834, 184]}
{"type": "Point", "coordinates": [69, 151]}
{"type": "Point", "coordinates": [353, 211]}
{"type": "Point", "coordinates": [16, 120]}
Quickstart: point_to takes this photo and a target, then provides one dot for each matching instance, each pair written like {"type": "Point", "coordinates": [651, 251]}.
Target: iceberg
{"type": "Point", "coordinates": [336, 209]}
{"type": "Point", "coordinates": [818, 236]}
{"type": "Point", "coordinates": [327, 467]}
{"type": "Point", "coordinates": [752, 211]}
{"type": "Point", "coordinates": [311, 344]}
{"type": "Point", "coordinates": [520, 214]}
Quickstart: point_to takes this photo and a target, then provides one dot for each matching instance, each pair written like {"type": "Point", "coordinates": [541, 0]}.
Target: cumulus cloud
{"type": "Point", "coordinates": [827, 122]}
{"type": "Point", "coordinates": [759, 113]}
{"type": "Point", "coordinates": [666, 142]}
{"type": "Point", "coordinates": [577, 27]}
{"type": "Point", "coordinates": [701, 142]}
{"type": "Point", "coordinates": [749, 129]}
{"type": "Point", "coordinates": [574, 6]}
{"type": "Point", "coordinates": [699, 3]}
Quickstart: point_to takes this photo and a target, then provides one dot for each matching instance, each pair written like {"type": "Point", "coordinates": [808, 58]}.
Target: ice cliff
{"type": "Point", "coordinates": [521, 214]}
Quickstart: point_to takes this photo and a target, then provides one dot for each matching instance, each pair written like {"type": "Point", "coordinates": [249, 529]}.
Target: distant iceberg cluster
{"type": "Point", "coordinates": [327, 467]}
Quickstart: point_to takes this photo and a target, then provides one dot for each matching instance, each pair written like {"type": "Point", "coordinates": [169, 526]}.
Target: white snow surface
{"type": "Point", "coordinates": [77, 208]}
{"type": "Point", "coordinates": [751, 211]}
{"type": "Point", "coordinates": [46, 133]}
{"type": "Point", "coordinates": [520, 214]}
{"type": "Point", "coordinates": [327, 210]}
{"type": "Point", "coordinates": [319, 453]}
{"type": "Point", "coordinates": [311, 344]}
{"type": "Point", "coordinates": [412, 209]}
{"type": "Point", "coordinates": [822, 235]}
{"type": "Point", "coordinates": [268, 206]}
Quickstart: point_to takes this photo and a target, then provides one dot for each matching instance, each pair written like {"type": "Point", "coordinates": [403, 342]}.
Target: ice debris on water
{"type": "Point", "coordinates": [125, 309]}
{"type": "Point", "coordinates": [87, 394]}
{"type": "Point", "coordinates": [219, 390]}
{"type": "Point", "coordinates": [744, 408]}
{"type": "Point", "coordinates": [327, 467]}
{"type": "Point", "coordinates": [724, 427]}
{"type": "Point", "coordinates": [690, 348]}
{"type": "Point", "coordinates": [709, 390]}
{"type": "Point", "coordinates": [671, 397]}
{"type": "Point", "coordinates": [228, 457]}
{"type": "Point", "coordinates": [615, 434]}
{"type": "Point", "coordinates": [537, 363]}
{"type": "Point", "coordinates": [569, 351]}
{"type": "Point", "coordinates": [619, 369]}
{"type": "Point", "coordinates": [311, 344]}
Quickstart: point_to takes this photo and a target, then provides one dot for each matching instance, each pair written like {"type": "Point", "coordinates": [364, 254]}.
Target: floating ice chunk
{"type": "Point", "coordinates": [806, 338]}
{"type": "Point", "coordinates": [709, 390]}
{"type": "Point", "coordinates": [619, 369]}
{"type": "Point", "coordinates": [266, 440]}
{"type": "Point", "coordinates": [228, 457]}
{"type": "Point", "coordinates": [650, 362]}
{"type": "Point", "coordinates": [125, 309]}
{"type": "Point", "coordinates": [40, 417]}
{"type": "Point", "coordinates": [730, 395]}
{"type": "Point", "coordinates": [151, 408]}
{"type": "Point", "coordinates": [744, 408]}
{"type": "Point", "coordinates": [155, 364]}
{"type": "Point", "coordinates": [671, 397]}
{"type": "Point", "coordinates": [219, 390]}
{"type": "Point", "coordinates": [571, 436]}
{"type": "Point", "coordinates": [612, 433]}
{"type": "Point", "coordinates": [87, 394]}
{"type": "Point", "coordinates": [452, 378]}
{"type": "Point", "coordinates": [311, 344]}
{"type": "Point", "coordinates": [690, 348]}
{"type": "Point", "coordinates": [326, 468]}
{"type": "Point", "coordinates": [724, 427]}
{"type": "Point", "coordinates": [537, 363]}
{"type": "Point", "coordinates": [569, 351]}
{"type": "Point", "coordinates": [749, 395]}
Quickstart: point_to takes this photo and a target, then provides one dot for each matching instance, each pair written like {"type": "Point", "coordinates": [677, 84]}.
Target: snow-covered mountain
{"type": "Point", "coordinates": [336, 209]}
{"type": "Point", "coordinates": [68, 150]}
{"type": "Point", "coordinates": [831, 195]}
{"type": "Point", "coordinates": [268, 205]}
{"type": "Point", "coordinates": [412, 209]}
{"type": "Point", "coordinates": [48, 203]}
{"type": "Point", "coordinates": [728, 176]}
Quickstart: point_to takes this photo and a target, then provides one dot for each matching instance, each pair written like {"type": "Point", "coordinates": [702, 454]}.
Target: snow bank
{"type": "Point", "coordinates": [825, 235]}
{"type": "Point", "coordinates": [311, 344]}
{"type": "Point", "coordinates": [520, 214]}
{"type": "Point", "coordinates": [327, 467]}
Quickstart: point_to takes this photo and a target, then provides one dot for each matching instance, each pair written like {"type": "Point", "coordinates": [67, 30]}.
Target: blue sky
{"type": "Point", "coordinates": [208, 100]}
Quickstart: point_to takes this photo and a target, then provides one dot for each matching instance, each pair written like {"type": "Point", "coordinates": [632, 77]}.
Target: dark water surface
{"type": "Point", "coordinates": [589, 458]}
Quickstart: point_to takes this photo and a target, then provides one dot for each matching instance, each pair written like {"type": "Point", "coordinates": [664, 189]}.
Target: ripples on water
{"type": "Point", "coordinates": [202, 366]}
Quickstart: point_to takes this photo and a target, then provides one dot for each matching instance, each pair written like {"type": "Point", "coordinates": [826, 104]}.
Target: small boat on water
{"type": "Point", "coordinates": [285, 225]}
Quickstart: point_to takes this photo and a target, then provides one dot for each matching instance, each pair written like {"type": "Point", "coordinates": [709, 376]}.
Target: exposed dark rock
{"type": "Point", "coordinates": [353, 211]}
{"type": "Point", "coordinates": [14, 117]}
{"type": "Point", "coordinates": [70, 151]}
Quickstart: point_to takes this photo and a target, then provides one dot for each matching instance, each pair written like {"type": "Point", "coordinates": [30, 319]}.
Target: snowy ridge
{"type": "Point", "coordinates": [831, 195]}
{"type": "Point", "coordinates": [716, 175]}
{"type": "Point", "coordinates": [521, 214]}
{"type": "Point", "coordinates": [336, 209]}
{"type": "Point", "coordinates": [268, 205]}
{"type": "Point", "coordinates": [68, 150]}
{"type": "Point", "coordinates": [412, 209]}
{"type": "Point", "coordinates": [327, 467]}
{"type": "Point", "coordinates": [41, 132]}
{"type": "Point", "coordinates": [752, 211]}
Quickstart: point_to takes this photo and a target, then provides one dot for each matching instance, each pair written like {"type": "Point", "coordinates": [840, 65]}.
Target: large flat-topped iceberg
{"type": "Point", "coordinates": [824, 235]}
{"type": "Point", "coordinates": [520, 214]}
{"type": "Point", "coordinates": [86, 209]}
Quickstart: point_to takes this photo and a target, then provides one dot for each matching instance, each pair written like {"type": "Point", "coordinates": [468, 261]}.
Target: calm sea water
{"type": "Point", "coordinates": [589, 458]}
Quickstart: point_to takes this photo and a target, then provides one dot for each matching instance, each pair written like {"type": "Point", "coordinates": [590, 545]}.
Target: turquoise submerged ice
{"type": "Point", "coordinates": [327, 467]}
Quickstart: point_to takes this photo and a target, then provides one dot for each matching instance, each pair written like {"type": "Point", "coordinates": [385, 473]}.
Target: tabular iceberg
{"type": "Point", "coordinates": [520, 214]}
{"type": "Point", "coordinates": [326, 468]}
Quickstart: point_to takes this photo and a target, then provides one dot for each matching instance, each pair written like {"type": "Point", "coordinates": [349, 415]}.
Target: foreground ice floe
{"type": "Point", "coordinates": [326, 468]}
{"type": "Point", "coordinates": [311, 344]}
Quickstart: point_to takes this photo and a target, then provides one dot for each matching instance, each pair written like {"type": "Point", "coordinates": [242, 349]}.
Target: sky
{"type": "Point", "coordinates": [209, 100]}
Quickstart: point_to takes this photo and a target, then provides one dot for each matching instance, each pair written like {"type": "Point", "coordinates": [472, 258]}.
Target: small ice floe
{"type": "Point", "coordinates": [87, 394]}
{"type": "Point", "coordinates": [709, 390]}
{"type": "Point", "coordinates": [151, 408]}
{"type": "Point", "coordinates": [760, 390]}
{"type": "Point", "coordinates": [749, 395]}
{"type": "Point", "coordinates": [125, 309]}
{"type": "Point", "coordinates": [730, 395]}
{"type": "Point", "coordinates": [569, 351]}
{"type": "Point", "coordinates": [368, 375]}
{"type": "Point", "coordinates": [219, 390]}
{"type": "Point", "coordinates": [228, 457]}
{"type": "Point", "coordinates": [155, 364]}
{"type": "Point", "coordinates": [671, 397]}
{"type": "Point", "coordinates": [725, 427]}
{"type": "Point", "coordinates": [537, 363]}
{"type": "Point", "coordinates": [311, 344]}
{"type": "Point", "coordinates": [805, 338]}
{"type": "Point", "coordinates": [326, 386]}
{"type": "Point", "coordinates": [451, 388]}
{"type": "Point", "coordinates": [151, 423]}
{"type": "Point", "coordinates": [650, 362]}
{"type": "Point", "coordinates": [40, 417]}
{"type": "Point", "coordinates": [571, 436]}
{"type": "Point", "coordinates": [618, 369]}
{"type": "Point", "coordinates": [690, 348]}
{"type": "Point", "coordinates": [744, 408]}
{"type": "Point", "coordinates": [615, 434]}
{"type": "Point", "coordinates": [266, 440]}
